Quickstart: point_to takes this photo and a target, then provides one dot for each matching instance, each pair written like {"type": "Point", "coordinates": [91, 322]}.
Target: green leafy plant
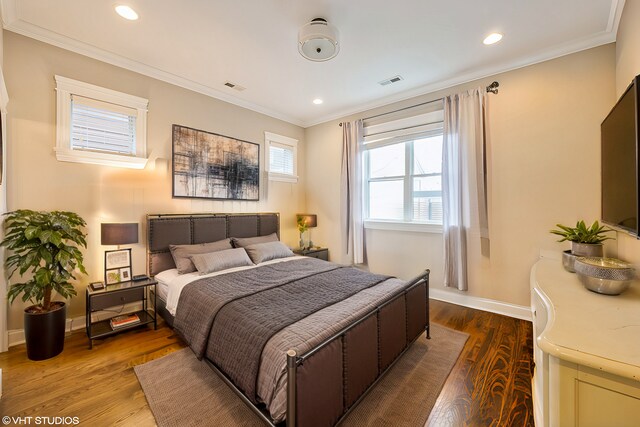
{"type": "Point", "coordinates": [582, 234]}
{"type": "Point", "coordinates": [44, 244]}
{"type": "Point", "coordinates": [302, 224]}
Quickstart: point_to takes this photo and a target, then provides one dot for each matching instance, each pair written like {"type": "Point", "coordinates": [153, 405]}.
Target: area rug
{"type": "Point", "coordinates": [183, 391]}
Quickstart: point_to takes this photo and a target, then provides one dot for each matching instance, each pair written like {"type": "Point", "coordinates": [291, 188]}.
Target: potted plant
{"type": "Point", "coordinates": [585, 241]}
{"type": "Point", "coordinates": [302, 228]}
{"type": "Point", "coordinates": [46, 245]}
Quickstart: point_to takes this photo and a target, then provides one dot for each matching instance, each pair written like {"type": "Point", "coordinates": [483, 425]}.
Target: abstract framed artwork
{"type": "Point", "coordinates": [211, 166]}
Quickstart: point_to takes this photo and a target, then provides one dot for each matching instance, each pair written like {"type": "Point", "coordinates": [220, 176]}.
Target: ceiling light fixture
{"type": "Point", "coordinates": [318, 101]}
{"type": "Point", "coordinates": [126, 12]}
{"type": "Point", "coordinates": [492, 38]}
{"type": "Point", "coordinates": [318, 41]}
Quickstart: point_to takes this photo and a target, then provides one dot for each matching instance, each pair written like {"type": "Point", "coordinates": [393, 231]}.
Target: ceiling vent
{"type": "Point", "coordinates": [318, 40]}
{"type": "Point", "coordinates": [234, 86]}
{"type": "Point", "coordinates": [394, 79]}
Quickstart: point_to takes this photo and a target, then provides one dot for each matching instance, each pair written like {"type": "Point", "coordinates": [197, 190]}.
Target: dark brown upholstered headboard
{"type": "Point", "coordinates": [170, 229]}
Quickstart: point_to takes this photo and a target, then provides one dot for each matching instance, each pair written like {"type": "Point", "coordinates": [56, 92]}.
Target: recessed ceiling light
{"type": "Point", "coordinates": [126, 12]}
{"type": "Point", "coordinates": [492, 38]}
{"type": "Point", "coordinates": [318, 101]}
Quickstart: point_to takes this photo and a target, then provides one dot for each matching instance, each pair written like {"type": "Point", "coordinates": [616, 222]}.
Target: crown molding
{"type": "Point", "coordinates": [12, 22]}
{"type": "Point", "coordinates": [574, 46]}
{"type": "Point", "coordinates": [38, 33]}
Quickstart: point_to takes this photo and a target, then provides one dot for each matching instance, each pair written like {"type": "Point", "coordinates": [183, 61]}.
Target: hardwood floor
{"type": "Point", "coordinates": [490, 384]}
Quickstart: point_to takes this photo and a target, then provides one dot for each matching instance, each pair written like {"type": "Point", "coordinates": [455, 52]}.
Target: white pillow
{"type": "Point", "coordinates": [220, 260]}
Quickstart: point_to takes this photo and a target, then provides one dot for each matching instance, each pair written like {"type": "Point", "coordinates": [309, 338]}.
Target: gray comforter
{"type": "Point", "coordinates": [201, 300]}
{"type": "Point", "coordinates": [300, 336]}
{"type": "Point", "coordinates": [242, 327]}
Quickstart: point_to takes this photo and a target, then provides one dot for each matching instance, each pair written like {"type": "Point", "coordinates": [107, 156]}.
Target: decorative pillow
{"type": "Point", "coordinates": [261, 252]}
{"type": "Point", "coordinates": [220, 260]}
{"type": "Point", "coordinates": [243, 242]}
{"type": "Point", "coordinates": [182, 253]}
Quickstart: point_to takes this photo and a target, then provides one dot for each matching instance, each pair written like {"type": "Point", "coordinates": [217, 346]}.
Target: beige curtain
{"type": "Point", "coordinates": [351, 191]}
{"type": "Point", "coordinates": [463, 181]}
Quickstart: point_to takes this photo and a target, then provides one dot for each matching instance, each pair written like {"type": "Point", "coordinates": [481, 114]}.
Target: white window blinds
{"type": "Point", "coordinates": [408, 124]}
{"type": "Point", "coordinates": [102, 126]}
{"type": "Point", "coordinates": [281, 159]}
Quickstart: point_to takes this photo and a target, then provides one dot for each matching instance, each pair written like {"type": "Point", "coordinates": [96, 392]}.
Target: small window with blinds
{"type": "Point", "coordinates": [403, 167]}
{"type": "Point", "coordinates": [100, 126]}
{"type": "Point", "coordinates": [282, 157]}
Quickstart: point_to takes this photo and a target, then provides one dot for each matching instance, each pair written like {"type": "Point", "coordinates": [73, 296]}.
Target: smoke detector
{"type": "Point", "coordinates": [318, 40]}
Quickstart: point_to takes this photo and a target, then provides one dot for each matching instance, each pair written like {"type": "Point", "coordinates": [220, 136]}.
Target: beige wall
{"type": "Point", "coordinates": [106, 194]}
{"type": "Point", "coordinates": [628, 46]}
{"type": "Point", "coordinates": [544, 167]}
{"type": "Point", "coordinates": [627, 67]}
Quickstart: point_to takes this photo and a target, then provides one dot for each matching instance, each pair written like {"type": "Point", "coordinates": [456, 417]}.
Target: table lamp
{"type": "Point", "coordinates": [306, 221]}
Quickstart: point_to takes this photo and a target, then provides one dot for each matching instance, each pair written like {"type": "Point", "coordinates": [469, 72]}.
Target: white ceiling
{"type": "Point", "coordinates": [432, 44]}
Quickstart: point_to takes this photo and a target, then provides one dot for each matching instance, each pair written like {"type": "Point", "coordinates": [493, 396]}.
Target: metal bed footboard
{"type": "Point", "coordinates": [296, 363]}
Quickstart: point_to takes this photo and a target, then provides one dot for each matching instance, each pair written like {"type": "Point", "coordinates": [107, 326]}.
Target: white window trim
{"type": "Point", "coordinates": [66, 87]}
{"type": "Point", "coordinates": [284, 140]}
{"type": "Point", "coordinates": [419, 227]}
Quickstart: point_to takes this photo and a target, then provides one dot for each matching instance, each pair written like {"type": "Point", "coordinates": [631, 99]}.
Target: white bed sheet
{"type": "Point", "coordinates": [176, 282]}
{"type": "Point", "coordinates": [162, 288]}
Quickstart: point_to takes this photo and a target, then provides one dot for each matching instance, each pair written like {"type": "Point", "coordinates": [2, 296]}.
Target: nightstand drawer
{"type": "Point", "coordinates": [324, 254]}
{"type": "Point", "coordinates": [100, 302]}
{"type": "Point", "coordinates": [321, 253]}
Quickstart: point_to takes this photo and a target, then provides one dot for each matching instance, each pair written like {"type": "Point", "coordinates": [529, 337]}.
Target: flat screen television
{"type": "Point", "coordinates": [620, 146]}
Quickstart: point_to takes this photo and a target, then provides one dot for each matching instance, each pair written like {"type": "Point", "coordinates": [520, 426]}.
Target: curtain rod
{"type": "Point", "coordinates": [492, 88]}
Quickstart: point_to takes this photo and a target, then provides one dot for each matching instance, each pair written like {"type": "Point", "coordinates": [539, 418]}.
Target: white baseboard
{"type": "Point", "coordinates": [493, 306]}
{"type": "Point", "coordinates": [16, 336]}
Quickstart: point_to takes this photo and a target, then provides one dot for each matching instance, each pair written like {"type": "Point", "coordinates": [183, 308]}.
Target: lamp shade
{"type": "Point", "coordinates": [310, 219]}
{"type": "Point", "coordinates": [119, 234]}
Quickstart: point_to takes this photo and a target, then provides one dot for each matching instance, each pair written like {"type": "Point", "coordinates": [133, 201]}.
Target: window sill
{"type": "Point", "coordinates": [283, 178]}
{"type": "Point", "coordinates": [420, 227]}
{"type": "Point", "coordinates": [93, 158]}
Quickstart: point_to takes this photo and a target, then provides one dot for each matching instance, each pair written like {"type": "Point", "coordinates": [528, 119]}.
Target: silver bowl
{"type": "Point", "coordinates": [608, 276]}
{"type": "Point", "coordinates": [568, 261]}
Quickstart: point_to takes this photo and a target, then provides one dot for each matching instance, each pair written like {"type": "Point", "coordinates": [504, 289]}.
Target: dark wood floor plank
{"type": "Point", "coordinates": [490, 385]}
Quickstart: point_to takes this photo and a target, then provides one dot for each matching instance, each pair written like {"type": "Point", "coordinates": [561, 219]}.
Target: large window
{"type": "Point", "coordinates": [404, 181]}
{"type": "Point", "coordinates": [100, 126]}
{"type": "Point", "coordinates": [403, 171]}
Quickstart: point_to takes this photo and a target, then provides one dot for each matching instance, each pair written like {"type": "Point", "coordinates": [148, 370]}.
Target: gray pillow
{"type": "Point", "coordinates": [261, 252]}
{"type": "Point", "coordinates": [182, 253]}
{"type": "Point", "coordinates": [220, 260]}
{"type": "Point", "coordinates": [243, 242]}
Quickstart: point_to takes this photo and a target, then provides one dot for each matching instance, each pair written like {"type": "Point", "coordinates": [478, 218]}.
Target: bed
{"type": "Point", "coordinates": [331, 334]}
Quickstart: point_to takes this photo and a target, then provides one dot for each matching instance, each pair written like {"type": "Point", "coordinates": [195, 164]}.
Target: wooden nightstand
{"type": "Point", "coordinates": [320, 253]}
{"type": "Point", "coordinates": [143, 291]}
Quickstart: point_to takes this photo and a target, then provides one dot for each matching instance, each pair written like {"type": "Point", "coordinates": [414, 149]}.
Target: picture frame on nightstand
{"type": "Point", "coordinates": [125, 274]}
{"type": "Point", "coordinates": [117, 266]}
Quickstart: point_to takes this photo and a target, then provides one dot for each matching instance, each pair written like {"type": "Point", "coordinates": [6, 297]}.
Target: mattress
{"type": "Point", "coordinates": [162, 288]}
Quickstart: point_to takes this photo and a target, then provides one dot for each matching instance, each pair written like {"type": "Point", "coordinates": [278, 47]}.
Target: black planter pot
{"type": "Point", "coordinates": [44, 333]}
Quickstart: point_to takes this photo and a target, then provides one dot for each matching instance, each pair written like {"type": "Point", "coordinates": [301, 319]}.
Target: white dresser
{"type": "Point", "coordinates": [586, 351]}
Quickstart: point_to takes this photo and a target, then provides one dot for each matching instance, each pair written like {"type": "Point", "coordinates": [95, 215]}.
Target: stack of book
{"type": "Point", "coordinates": [124, 320]}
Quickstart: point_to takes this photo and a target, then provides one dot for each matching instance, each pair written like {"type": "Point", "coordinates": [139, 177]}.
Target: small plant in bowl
{"type": "Point", "coordinates": [585, 241]}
